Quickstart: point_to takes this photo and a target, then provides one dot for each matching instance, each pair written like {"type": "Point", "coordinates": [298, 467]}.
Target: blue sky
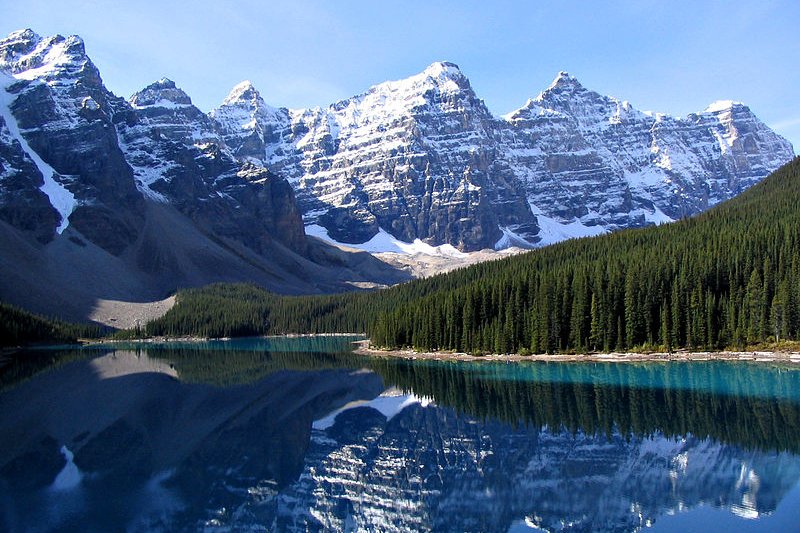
{"type": "Point", "coordinates": [669, 56]}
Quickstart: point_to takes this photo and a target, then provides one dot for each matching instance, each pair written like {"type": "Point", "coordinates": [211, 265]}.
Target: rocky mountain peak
{"type": "Point", "coordinates": [18, 43]}
{"type": "Point", "coordinates": [163, 93]}
{"type": "Point", "coordinates": [244, 92]}
{"type": "Point", "coordinates": [246, 122]}
{"type": "Point", "coordinates": [439, 78]}
{"type": "Point", "coordinates": [564, 83]}
{"type": "Point", "coordinates": [444, 70]}
{"type": "Point", "coordinates": [722, 106]}
{"type": "Point", "coordinates": [29, 56]}
{"type": "Point", "coordinates": [446, 77]}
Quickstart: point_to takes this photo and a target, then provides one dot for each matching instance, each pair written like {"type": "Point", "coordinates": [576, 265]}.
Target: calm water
{"type": "Point", "coordinates": [301, 435]}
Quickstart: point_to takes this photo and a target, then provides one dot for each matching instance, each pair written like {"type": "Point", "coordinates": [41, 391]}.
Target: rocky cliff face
{"type": "Point", "coordinates": [103, 197]}
{"type": "Point", "coordinates": [424, 158]}
{"type": "Point", "coordinates": [414, 157]}
{"type": "Point", "coordinates": [164, 194]}
{"type": "Point", "coordinates": [59, 116]}
{"type": "Point", "coordinates": [97, 158]}
{"type": "Point", "coordinates": [178, 158]}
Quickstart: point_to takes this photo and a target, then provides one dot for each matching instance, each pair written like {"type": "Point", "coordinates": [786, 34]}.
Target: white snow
{"type": "Point", "coordinates": [385, 242]}
{"type": "Point", "coordinates": [56, 55]}
{"type": "Point", "coordinates": [510, 239]}
{"type": "Point", "coordinates": [60, 197]}
{"type": "Point", "coordinates": [236, 93]}
{"type": "Point", "coordinates": [657, 217]}
{"type": "Point", "coordinates": [522, 526]}
{"type": "Point", "coordinates": [90, 104]}
{"type": "Point", "coordinates": [553, 231]}
{"type": "Point", "coordinates": [70, 476]}
{"type": "Point", "coordinates": [650, 176]}
{"type": "Point", "coordinates": [720, 105]}
{"type": "Point", "coordinates": [162, 103]}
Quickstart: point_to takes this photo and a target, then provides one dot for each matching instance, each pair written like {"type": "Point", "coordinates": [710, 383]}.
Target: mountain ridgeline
{"type": "Point", "coordinates": [150, 194]}
{"type": "Point", "coordinates": [107, 199]}
{"type": "Point", "coordinates": [424, 158]}
{"type": "Point", "coordinates": [728, 277]}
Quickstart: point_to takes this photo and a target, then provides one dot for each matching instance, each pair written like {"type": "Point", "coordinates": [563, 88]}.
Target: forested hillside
{"type": "Point", "coordinates": [729, 277]}
{"type": "Point", "coordinates": [18, 327]}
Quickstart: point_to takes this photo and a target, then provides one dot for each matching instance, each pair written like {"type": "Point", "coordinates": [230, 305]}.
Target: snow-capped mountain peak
{"type": "Point", "coordinates": [423, 158]}
{"type": "Point", "coordinates": [564, 81]}
{"type": "Point", "coordinates": [438, 78]}
{"type": "Point", "coordinates": [722, 106]}
{"type": "Point", "coordinates": [16, 45]}
{"type": "Point", "coordinates": [246, 122]}
{"type": "Point", "coordinates": [28, 56]}
{"type": "Point", "coordinates": [162, 93]}
{"type": "Point", "coordinates": [242, 92]}
{"type": "Point", "coordinates": [443, 70]}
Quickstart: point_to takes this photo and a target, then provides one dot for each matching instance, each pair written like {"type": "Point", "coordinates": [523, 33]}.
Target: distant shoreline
{"type": "Point", "coordinates": [166, 339]}
{"type": "Point", "coordinates": [364, 348]}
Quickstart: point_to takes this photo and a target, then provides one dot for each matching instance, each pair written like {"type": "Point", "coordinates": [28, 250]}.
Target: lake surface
{"type": "Point", "coordinates": [302, 435]}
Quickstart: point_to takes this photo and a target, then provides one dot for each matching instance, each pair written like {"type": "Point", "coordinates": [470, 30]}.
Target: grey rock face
{"type": "Point", "coordinates": [424, 158]}
{"type": "Point", "coordinates": [22, 203]}
{"type": "Point", "coordinates": [108, 157]}
{"type": "Point", "coordinates": [415, 157]}
{"type": "Point", "coordinates": [56, 97]}
{"type": "Point", "coordinates": [178, 158]}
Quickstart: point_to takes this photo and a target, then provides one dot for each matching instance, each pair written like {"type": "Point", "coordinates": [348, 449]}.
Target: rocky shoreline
{"type": "Point", "coordinates": [364, 348]}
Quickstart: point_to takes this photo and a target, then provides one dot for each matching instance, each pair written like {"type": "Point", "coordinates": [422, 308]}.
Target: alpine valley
{"type": "Point", "coordinates": [107, 199]}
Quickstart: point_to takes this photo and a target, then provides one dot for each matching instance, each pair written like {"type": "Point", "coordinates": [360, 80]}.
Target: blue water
{"type": "Point", "coordinates": [302, 435]}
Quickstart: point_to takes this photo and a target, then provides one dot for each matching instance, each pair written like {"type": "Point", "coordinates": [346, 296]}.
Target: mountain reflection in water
{"type": "Point", "coordinates": [300, 435]}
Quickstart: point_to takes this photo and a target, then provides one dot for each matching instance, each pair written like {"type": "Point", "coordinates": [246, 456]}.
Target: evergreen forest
{"type": "Point", "coordinates": [727, 278]}
{"type": "Point", "coordinates": [19, 327]}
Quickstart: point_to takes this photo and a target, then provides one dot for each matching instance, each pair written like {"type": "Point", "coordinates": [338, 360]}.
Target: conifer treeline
{"type": "Point", "coordinates": [729, 277]}
{"type": "Point", "coordinates": [18, 327]}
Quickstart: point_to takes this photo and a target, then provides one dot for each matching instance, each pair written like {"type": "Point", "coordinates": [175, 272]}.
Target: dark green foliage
{"type": "Point", "coordinates": [18, 327]}
{"type": "Point", "coordinates": [588, 398]}
{"type": "Point", "coordinates": [730, 277]}
{"type": "Point", "coordinates": [238, 310]}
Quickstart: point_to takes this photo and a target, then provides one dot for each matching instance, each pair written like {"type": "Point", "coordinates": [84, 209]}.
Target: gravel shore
{"type": "Point", "coordinates": [364, 348]}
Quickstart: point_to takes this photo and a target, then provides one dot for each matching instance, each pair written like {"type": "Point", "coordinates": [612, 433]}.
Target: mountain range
{"type": "Point", "coordinates": [423, 158]}
{"type": "Point", "coordinates": [106, 198]}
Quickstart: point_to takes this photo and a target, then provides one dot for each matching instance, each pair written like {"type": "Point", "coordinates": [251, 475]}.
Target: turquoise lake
{"type": "Point", "coordinates": [300, 434]}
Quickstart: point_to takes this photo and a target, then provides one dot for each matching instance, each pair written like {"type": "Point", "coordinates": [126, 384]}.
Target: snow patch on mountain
{"type": "Point", "coordinates": [721, 105]}
{"type": "Point", "coordinates": [48, 58]}
{"type": "Point", "coordinates": [554, 231]}
{"type": "Point", "coordinates": [60, 197]}
{"type": "Point", "coordinates": [384, 242]}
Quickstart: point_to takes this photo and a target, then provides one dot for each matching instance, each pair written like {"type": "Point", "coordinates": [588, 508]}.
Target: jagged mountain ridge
{"type": "Point", "coordinates": [149, 194]}
{"type": "Point", "coordinates": [128, 200]}
{"type": "Point", "coordinates": [419, 157]}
